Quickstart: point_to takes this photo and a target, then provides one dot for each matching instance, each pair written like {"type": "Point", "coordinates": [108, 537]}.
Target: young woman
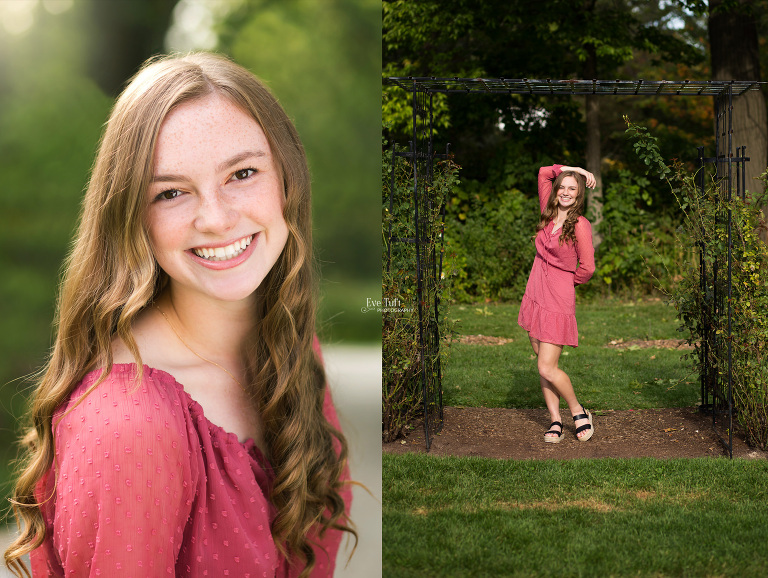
{"type": "Point", "coordinates": [564, 258]}
{"type": "Point", "coordinates": [192, 265]}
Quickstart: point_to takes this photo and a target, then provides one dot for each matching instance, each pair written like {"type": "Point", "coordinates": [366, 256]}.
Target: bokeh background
{"type": "Point", "coordinates": [62, 63]}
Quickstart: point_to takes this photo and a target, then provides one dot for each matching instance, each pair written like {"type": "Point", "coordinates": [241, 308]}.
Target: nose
{"type": "Point", "coordinates": [215, 214]}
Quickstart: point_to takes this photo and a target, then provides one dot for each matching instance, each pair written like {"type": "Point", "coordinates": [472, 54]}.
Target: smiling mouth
{"type": "Point", "coordinates": [224, 253]}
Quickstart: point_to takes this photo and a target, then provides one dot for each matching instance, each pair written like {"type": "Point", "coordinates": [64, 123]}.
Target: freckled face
{"type": "Point", "coordinates": [215, 205]}
{"type": "Point", "coordinates": [567, 192]}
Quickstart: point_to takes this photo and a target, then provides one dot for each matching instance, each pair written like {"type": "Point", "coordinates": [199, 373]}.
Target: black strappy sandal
{"type": "Point", "coordinates": [554, 440]}
{"type": "Point", "coordinates": [585, 427]}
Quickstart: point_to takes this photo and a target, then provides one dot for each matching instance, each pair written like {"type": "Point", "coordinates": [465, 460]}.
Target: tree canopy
{"type": "Point", "coordinates": [501, 140]}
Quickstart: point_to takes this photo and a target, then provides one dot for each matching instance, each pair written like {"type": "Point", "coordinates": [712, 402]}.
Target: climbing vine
{"type": "Point", "coordinates": [705, 209]}
{"type": "Point", "coordinates": [402, 398]}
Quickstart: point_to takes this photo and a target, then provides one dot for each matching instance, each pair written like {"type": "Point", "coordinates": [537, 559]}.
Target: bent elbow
{"type": "Point", "coordinates": [584, 274]}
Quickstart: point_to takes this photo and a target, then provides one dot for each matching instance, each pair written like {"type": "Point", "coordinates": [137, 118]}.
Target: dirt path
{"type": "Point", "coordinates": [518, 434]}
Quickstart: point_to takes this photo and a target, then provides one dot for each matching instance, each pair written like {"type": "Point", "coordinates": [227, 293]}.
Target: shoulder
{"type": "Point", "coordinates": [151, 338]}
{"type": "Point", "coordinates": [123, 404]}
{"type": "Point", "coordinates": [583, 223]}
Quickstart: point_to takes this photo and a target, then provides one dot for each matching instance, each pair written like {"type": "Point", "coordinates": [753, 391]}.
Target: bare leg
{"type": "Point", "coordinates": [558, 381]}
{"type": "Point", "coordinates": [551, 396]}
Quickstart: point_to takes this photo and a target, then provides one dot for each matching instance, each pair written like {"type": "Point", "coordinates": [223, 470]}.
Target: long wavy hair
{"type": "Point", "coordinates": [568, 233]}
{"type": "Point", "coordinates": [111, 275]}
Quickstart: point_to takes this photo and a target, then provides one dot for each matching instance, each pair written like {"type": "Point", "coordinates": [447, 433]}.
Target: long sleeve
{"type": "Point", "coordinates": [585, 252]}
{"type": "Point", "coordinates": [547, 176]}
{"type": "Point", "coordinates": [124, 488]}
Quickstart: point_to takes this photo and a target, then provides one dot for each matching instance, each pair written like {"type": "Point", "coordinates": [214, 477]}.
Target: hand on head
{"type": "Point", "coordinates": [591, 181]}
{"type": "Point", "coordinates": [589, 177]}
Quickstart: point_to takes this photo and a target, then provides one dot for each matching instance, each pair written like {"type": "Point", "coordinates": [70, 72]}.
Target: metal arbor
{"type": "Point", "coordinates": [716, 382]}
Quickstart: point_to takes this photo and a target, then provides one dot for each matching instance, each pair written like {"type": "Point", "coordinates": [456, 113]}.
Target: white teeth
{"type": "Point", "coordinates": [224, 253]}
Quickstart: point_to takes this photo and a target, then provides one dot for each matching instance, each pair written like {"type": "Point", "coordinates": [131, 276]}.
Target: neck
{"type": "Point", "coordinates": [562, 214]}
{"type": "Point", "coordinates": [217, 328]}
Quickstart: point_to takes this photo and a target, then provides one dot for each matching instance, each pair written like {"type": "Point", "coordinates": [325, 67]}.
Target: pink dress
{"type": "Point", "coordinates": [548, 309]}
{"type": "Point", "coordinates": [147, 486]}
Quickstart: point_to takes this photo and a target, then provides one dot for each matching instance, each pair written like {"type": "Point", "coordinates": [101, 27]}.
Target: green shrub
{"type": "Point", "coordinates": [638, 250]}
{"type": "Point", "coordinates": [495, 242]}
{"type": "Point", "coordinates": [705, 218]}
{"type": "Point", "coordinates": [490, 227]}
{"type": "Point", "coordinates": [402, 363]}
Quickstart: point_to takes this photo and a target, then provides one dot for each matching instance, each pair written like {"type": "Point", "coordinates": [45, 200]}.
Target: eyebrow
{"type": "Point", "coordinates": [230, 162]}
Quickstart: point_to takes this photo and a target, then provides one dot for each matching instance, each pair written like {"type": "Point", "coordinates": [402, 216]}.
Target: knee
{"type": "Point", "coordinates": [546, 370]}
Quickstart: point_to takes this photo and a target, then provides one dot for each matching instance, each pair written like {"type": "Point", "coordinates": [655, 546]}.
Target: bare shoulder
{"type": "Point", "coordinates": [148, 334]}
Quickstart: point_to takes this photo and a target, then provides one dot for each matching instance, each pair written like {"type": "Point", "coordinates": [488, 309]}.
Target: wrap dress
{"type": "Point", "coordinates": [548, 308]}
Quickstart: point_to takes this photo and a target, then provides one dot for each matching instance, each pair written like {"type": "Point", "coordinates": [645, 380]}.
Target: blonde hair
{"type": "Point", "coordinates": [550, 211]}
{"type": "Point", "coordinates": [111, 275]}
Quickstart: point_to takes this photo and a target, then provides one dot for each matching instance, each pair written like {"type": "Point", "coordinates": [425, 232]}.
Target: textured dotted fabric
{"type": "Point", "coordinates": [548, 308]}
{"type": "Point", "coordinates": [144, 485]}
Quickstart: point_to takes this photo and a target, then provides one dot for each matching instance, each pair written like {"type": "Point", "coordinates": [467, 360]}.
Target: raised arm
{"type": "Point", "coordinates": [589, 177]}
{"type": "Point", "coordinates": [585, 252]}
{"type": "Point", "coordinates": [547, 176]}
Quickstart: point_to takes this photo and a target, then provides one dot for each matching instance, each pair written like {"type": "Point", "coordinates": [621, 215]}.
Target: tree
{"type": "Point", "coordinates": [515, 39]}
{"type": "Point", "coordinates": [322, 59]}
{"type": "Point", "coordinates": [124, 35]}
{"type": "Point", "coordinates": [735, 56]}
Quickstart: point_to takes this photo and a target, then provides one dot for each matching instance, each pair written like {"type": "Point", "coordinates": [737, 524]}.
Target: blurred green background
{"type": "Point", "coordinates": [62, 62]}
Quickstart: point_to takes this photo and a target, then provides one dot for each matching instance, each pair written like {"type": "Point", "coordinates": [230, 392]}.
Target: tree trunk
{"type": "Point", "coordinates": [122, 36]}
{"type": "Point", "coordinates": [594, 157]}
{"type": "Point", "coordinates": [735, 56]}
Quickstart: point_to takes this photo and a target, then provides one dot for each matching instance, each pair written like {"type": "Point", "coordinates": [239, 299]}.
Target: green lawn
{"type": "Point", "coordinates": [455, 517]}
{"type": "Point", "coordinates": [475, 517]}
{"type": "Point", "coordinates": [506, 375]}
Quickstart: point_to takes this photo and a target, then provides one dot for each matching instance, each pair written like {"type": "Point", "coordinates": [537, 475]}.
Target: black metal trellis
{"type": "Point", "coordinates": [429, 262]}
{"type": "Point", "coordinates": [716, 382]}
{"type": "Point", "coordinates": [716, 285]}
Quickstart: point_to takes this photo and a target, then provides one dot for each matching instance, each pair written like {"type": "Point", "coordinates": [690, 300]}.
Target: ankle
{"type": "Point", "coordinates": [576, 410]}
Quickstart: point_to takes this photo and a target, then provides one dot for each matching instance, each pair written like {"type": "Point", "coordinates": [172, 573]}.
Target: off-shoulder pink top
{"type": "Point", "coordinates": [548, 308]}
{"type": "Point", "coordinates": [144, 485]}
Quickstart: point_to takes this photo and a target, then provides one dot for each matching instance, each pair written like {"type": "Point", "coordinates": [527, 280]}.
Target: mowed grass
{"type": "Point", "coordinates": [604, 378]}
{"type": "Point", "coordinates": [476, 517]}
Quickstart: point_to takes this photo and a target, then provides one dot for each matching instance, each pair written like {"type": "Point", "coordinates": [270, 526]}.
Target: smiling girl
{"type": "Point", "coordinates": [182, 425]}
{"type": "Point", "coordinates": [564, 258]}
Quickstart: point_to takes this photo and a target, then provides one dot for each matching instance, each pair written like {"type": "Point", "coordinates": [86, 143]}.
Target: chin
{"type": "Point", "coordinates": [234, 294]}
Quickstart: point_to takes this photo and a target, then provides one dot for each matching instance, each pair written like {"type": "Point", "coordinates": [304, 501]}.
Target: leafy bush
{"type": "Point", "coordinates": [705, 218]}
{"type": "Point", "coordinates": [495, 243]}
{"type": "Point", "coordinates": [402, 365]}
{"type": "Point", "coordinates": [638, 249]}
{"type": "Point", "coordinates": [490, 226]}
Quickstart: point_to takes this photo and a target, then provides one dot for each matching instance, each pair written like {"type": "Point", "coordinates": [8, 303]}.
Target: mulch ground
{"type": "Point", "coordinates": [519, 433]}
